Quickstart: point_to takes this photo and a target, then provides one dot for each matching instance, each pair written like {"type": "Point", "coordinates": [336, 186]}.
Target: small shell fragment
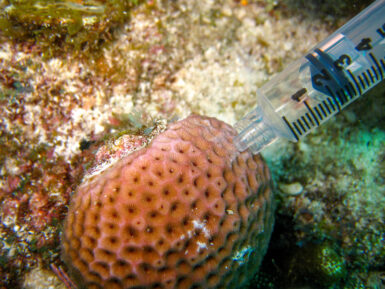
{"type": "Point", "coordinates": [292, 189]}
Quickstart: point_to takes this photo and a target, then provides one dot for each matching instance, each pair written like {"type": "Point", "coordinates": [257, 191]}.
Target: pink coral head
{"type": "Point", "coordinates": [186, 211]}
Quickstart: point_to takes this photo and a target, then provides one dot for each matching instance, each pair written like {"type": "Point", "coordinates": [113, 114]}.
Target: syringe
{"type": "Point", "coordinates": [309, 91]}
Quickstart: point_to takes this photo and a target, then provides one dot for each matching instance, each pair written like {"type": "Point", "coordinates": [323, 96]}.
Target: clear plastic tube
{"type": "Point", "coordinates": [309, 91]}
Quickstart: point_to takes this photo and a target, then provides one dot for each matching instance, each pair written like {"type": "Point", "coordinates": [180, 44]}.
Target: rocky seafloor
{"type": "Point", "coordinates": [67, 85]}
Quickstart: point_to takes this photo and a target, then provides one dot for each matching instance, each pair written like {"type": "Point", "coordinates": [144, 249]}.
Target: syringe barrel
{"type": "Point", "coordinates": [314, 88]}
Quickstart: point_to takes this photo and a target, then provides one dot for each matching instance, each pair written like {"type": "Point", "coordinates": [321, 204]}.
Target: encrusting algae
{"type": "Point", "coordinates": [78, 25]}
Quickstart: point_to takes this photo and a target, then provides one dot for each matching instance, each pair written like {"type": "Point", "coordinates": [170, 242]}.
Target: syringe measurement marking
{"type": "Point", "coordinates": [322, 109]}
{"type": "Point", "coordinates": [366, 78]}
{"type": "Point", "coordinates": [350, 90]}
{"type": "Point", "coordinates": [370, 75]}
{"type": "Point", "coordinates": [331, 104]}
{"type": "Point", "coordinates": [291, 129]}
{"type": "Point", "coordinates": [310, 119]}
{"type": "Point", "coordinates": [334, 98]}
{"type": "Point", "coordinates": [341, 96]}
{"type": "Point", "coordinates": [300, 124]}
{"type": "Point", "coordinates": [327, 108]}
{"type": "Point", "coordinates": [355, 81]}
{"type": "Point", "coordinates": [311, 112]}
{"type": "Point", "coordinates": [304, 120]}
{"type": "Point", "coordinates": [382, 63]}
{"type": "Point", "coordinates": [374, 71]}
{"type": "Point", "coordinates": [329, 70]}
{"type": "Point", "coordinates": [344, 95]}
{"type": "Point", "coordinates": [296, 127]}
{"type": "Point", "coordinates": [347, 94]}
{"type": "Point", "coordinates": [318, 112]}
{"type": "Point", "coordinates": [361, 81]}
{"type": "Point", "coordinates": [381, 31]}
{"type": "Point", "coordinates": [377, 65]}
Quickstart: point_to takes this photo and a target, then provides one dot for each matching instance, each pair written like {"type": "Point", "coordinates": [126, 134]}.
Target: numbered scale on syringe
{"type": "Point", "coordinates": [336, 73]}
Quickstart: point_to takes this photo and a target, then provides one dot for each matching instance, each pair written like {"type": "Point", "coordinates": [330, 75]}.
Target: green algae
{"type": "Point", "coordinates": [78, 25]}
{"type": "Point", "coordinates": [331, 266]}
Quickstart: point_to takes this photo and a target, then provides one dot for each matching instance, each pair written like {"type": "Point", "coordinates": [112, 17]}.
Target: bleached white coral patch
{"type": "Point", "coordinates": [201, 246]}
{"type": "Point", "coordinates": [202, 226]}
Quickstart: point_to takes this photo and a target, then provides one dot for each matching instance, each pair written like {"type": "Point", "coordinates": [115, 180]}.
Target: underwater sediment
{"type": "Point", "coordinates": [163, 61]}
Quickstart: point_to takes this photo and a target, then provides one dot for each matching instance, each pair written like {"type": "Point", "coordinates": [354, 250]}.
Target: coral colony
{"type": "Point", "coordinates": [186, 211]}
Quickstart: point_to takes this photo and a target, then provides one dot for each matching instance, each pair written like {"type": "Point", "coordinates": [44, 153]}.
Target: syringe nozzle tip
{"type": "Point", "coordinates": [239, 144]}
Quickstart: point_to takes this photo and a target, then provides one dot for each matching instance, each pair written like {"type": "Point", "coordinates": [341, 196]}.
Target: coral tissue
{"type": "Point", "coordinates": [187, 211]}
